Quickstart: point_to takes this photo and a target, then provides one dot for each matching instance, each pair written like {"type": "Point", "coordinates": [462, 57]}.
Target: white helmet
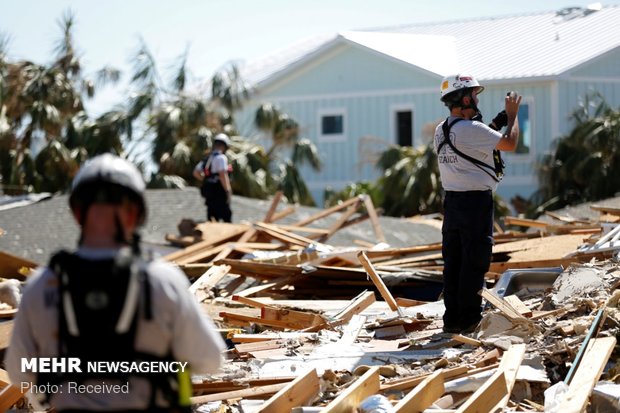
{"type": "Point", "coordinates": [453, 83]}
{"type": "Point", "coordinates": [105, 178]}
{"type": "Point", "coordinates": [223, 138]}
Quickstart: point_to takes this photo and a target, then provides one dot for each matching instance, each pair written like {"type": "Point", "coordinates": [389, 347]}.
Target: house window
{"type": "Point", "coordinates": [332, 125]}
{"type": "Point", "coordinates": [404, 128]}
{"type": "Point", "coordinates": [525, 130]}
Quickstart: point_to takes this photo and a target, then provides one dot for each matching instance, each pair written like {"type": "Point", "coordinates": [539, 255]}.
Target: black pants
{"type": "Point", "coordinates": [466, 248]}
{"type": "Point", "coordinates": [217, 202]}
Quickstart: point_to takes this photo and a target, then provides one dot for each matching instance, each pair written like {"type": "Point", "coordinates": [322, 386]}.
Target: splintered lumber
{"type": "Point", "coordinates": [208, 281]}
{"type": "Point", "coordinates": [349, 399]}
{"type": "Point", "coordinates": [282, 235]}
{"type": "Point", "coordinates": [423, 395]}
{"type": "Point", "coordinates": [376, 279]}
{"type": "Point", "coordinates": [356, 306]}
{"type": "Point", "coordinates": [341, 220]}
{"type": "Point", "coordinates": [466, 340]}
{"type": "Point", "coordinates": [505, 308]}
{"type": "Point", "coordinates": [374, 219]}
{"type": "Point", "coordinates": [395, 252]}
{"type": "Point", "coordinates": [511, 360]}
{"type": "Point", "coordinates": [9, 395]}
{"type": "Point", "coordinates": [246, 320]}
{"type": "Point", "coordinates": [516, 303]}
{"type": "Point", "coordinates": [281, 214]}
{"type": "Point", "coordinates": [487, 396]}
{"type": "Point", "coordinates": [297, 393]}
{"type": "Point", "coordinates": [274, 205]}
{"type": "Point", "coordinates": [269, 285]}
{"type": "Point", "coordinates": [256, 392]}
{"type": "Point", "coordinates": [596, 355]}
{"type": "Point", "coordinates": [207, 244]}
{"type": "Point", "coordinates": [411, 382]}
{"type": "Point", "coordinates": [408, 302]}
{"type": "Point", "coordinates": [606, 210]}
{"type": "Point", "coordinates": [11, 266]}
{"type": "Point", "coordinates": [293, 319]}
{"type": "Point", "coordinates": [326, 212]}
{"type": "Point", "coordinates": [523, 222]}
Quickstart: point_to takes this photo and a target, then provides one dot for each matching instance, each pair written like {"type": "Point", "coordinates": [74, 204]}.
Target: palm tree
{"type": "Point", "coordinates": [39, 105]}
{"type": "Point", "coordinates": [585, 164]}
{"type": "Point", "coordinates": [283, 132]}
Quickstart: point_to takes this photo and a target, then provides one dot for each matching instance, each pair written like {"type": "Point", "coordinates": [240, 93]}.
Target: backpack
{"type": "Point", "coordinates": [210, 177]}
{"type": "Point", "coordinates": [99, 306]}
{"type": "Point", "coordinates": [497, 168]}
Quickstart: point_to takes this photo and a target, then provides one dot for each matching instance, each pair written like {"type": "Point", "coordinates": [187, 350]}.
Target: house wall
{"type": "Point", "coordinates": [367, 87]}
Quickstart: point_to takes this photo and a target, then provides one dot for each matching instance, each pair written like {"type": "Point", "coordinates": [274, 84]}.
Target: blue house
{"type": "Point", "coordinates": [356, 92]}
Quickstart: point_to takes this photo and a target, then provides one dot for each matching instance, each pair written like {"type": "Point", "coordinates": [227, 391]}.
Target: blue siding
{"type": "Point", "coordinates": [368, 86]}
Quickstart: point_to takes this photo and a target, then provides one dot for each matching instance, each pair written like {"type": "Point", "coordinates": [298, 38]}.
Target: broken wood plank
{"type": "Point", "coordinates": [256, 392]}
{"type": "Point", "coordinates": [374, 218]}
{"type": "Point", "coordinates": [10, 395]}
{"type": "Point", "coordinates": [403, 251]}
{"type": "Point", "coordinates": [281, 214]}
{"type": "Point", "coordinates": [410, 382]}
{"type": "Point", "coordinates": [277, 197]}
{"type": "Point", "coordinates": [245, 320]}
{"type": "Point", "coordinates": [423, 395]}
{"type": "Point", "coordinates": [282, 235]}
{"type": "Point", "coordinates": [275, 283]}
{"type": "Point", "coordinates": [344, 217]}
{"type": "Point", "coordinates": [407, 302]}
{"type": "Point", "coordinates": [356, 306]}
{"type": "Point", "coordinates": [511, 360]}
{"type": "Point", "coordinates": [326, 212]}
{"type": "Point", "coordinates": [505, 308]}
{"type": "Point", "coordinates": [516, 303]}
{"type": "Point", "coordinates": [467, 340]}
{"type": "Point", "coordinates": [606, 210]}
{"type": "Point", "coordinates": [11, 266]}
{"type": "Point", "coordinates": [208, 281]}
{"type": "Point", "coordinates": [587, 375]}
{"type": "Point", "coordinates": [349, 399]}
{"type": "Point", "coordinates": [297, 393]}
{"type": "Point", "coordinates": [232, 286]}
{"type": "Point", "coordinates": [523, 222]}
{"type": "Point", "coordinates": [376, 279]}
{"type": "Point", "coordinates": [488, 395]}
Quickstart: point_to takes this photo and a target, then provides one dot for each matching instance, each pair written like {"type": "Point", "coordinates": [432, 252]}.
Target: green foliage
{"type": "Point", "coordinates": [585, 164]}
{"type": "Point", "coordinates": [351, 190]}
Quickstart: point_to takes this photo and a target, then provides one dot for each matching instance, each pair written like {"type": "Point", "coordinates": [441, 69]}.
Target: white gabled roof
{"type": "Point", "coordinates": [524, 46]}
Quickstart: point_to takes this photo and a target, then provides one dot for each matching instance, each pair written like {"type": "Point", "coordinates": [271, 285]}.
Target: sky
{"type": "Point", "coordinates": [218, 31]}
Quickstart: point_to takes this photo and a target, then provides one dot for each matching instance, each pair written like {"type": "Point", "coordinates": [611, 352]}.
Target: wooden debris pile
{"type": "Point", "coordinates": [314, 327]}
{"type": "Point", "coordinates": [317, 328]}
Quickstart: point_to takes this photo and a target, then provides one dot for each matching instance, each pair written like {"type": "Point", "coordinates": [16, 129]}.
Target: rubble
{"type": "Point", "coordinates": [316, 327]}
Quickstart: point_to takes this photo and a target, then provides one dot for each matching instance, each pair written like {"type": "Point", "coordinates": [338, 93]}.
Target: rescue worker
{"type": "Point", "coordinates": [213, 172]}
{"type": "Point", "coordinates": [105, 304]}
{"type": "Point", "coordinates": [469, 176]}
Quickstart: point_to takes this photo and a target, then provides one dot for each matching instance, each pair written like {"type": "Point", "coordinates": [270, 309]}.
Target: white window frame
{"type": "Point", "coordinates": [401, 107]}
{"type": "Point", "coordinates": [341, 137]}
{"type": "Point", "coordinates": [531, 155]}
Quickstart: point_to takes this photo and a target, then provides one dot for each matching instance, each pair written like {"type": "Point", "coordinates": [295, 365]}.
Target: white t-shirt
{"type": "Point", "coordinates": [219, 163]}
{"type": "Point", "coordinates": [179, 325]}
{"type": "Point", "coordinates": [475, 139]}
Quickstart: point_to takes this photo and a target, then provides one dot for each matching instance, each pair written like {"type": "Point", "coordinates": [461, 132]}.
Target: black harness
{"type": "Point", "coordinates": [99, 306]}
{"type": "Point", "coordinates": [498, 168]}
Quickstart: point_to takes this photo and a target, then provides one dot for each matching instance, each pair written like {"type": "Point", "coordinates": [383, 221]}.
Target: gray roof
{"type": "Point", "coordinates": [527, 46]}
{"type": "Point", "coordinates": [37, 230]}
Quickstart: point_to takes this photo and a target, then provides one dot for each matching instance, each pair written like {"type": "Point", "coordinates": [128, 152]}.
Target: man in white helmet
{"type": "Point", "coordinates": [103, 304]}
{"type": "Point", "coordinates": [213, 173]}
{"type": "Point", "coordinates": [469, 176]}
